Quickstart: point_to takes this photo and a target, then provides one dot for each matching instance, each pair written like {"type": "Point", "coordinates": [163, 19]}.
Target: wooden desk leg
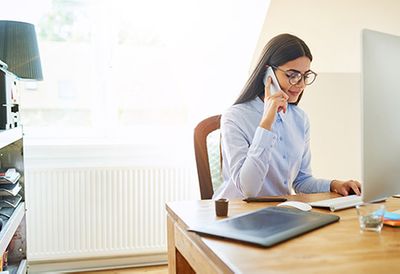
{"type": "Point", "coordinates": [171, 245]}
{"type": "Point", "coordinates": [176, 262]}
{"type": "Point", "coordinates": [182, 266]}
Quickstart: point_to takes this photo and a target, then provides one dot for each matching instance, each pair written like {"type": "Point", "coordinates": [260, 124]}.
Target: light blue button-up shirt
{"type": "Point", "coordinates": [259, 162]}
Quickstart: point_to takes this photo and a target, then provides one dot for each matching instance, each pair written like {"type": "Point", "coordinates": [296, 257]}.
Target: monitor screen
{"type": "Point", "coordinates": [380, 115]}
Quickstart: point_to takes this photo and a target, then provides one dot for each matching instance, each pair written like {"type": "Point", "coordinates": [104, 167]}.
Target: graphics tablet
{"type": "Point", "coordinates": [267, 226]}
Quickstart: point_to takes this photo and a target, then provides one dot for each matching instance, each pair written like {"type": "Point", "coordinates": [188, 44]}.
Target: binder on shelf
{"type": "Point", "coordinates": [10, 189]}
{"type": "Point", "coordinates": [10, 201]}
{"type": "Point", "coordinates": [10, 176]}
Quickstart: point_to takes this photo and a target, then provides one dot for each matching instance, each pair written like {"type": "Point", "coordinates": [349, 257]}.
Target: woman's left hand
{"type": "Point", "coordinates": [346, 187]}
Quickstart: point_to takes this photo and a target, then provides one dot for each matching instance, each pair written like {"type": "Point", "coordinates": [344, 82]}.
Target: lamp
{"type": "Point", "coordinates": [19, 50]}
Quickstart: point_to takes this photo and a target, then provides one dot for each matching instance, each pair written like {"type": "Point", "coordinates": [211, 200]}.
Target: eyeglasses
{"type": "Point", "coordinates": [295, 77]}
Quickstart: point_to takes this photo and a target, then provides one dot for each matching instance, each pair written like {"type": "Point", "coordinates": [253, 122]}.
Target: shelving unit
{"type": "Point", "coordinates": [13, 232]}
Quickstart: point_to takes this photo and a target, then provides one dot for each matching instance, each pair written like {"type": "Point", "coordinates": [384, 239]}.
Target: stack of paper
{"type": "Point", "coordinates": [392, 218]}
{"type": "Point", "coordinates": [6, 212]}
{"type": "Point", "coordinates": [10, 189]}
{"type": "Point", "coordinates": [10, 201]}
{"type": "Point", "coordinates": [9, 176]}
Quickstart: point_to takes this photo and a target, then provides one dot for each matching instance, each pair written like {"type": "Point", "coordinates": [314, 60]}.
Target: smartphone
{"type": "Point", "coordinates": [274, 84]}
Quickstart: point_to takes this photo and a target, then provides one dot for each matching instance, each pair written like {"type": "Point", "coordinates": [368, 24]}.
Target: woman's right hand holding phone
{"type": "Point", "coordinates": [273, 103]}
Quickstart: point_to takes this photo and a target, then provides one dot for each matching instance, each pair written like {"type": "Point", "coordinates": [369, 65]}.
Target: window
{"type": "Point", "coordinates": [136, 69]}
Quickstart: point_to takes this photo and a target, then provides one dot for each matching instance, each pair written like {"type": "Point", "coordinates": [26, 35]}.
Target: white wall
{"type": "Point", "coordinates": [332, 30]}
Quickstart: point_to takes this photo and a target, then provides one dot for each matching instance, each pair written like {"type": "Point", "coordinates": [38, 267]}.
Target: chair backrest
{"type": "Point", "coordinates": [208, 152]}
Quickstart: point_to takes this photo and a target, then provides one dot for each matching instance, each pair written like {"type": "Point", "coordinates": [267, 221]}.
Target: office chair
{"type": "Point", "coordinates": [208, 155]}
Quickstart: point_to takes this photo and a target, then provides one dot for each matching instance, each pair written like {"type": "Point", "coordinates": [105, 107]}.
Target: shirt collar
{"type": "Point", "coordinates": [259, 106]}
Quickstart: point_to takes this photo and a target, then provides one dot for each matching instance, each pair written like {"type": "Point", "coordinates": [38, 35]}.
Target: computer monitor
{"type": "Point", "coordinates": [380, 115]}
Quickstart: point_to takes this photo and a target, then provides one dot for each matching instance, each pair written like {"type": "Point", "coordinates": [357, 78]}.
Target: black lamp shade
{"type": "Point", "coordinates": [19, 49]}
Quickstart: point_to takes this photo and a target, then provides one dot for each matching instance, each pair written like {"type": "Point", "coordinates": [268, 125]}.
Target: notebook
{"type": "Point", "coordinates": [267, 226]}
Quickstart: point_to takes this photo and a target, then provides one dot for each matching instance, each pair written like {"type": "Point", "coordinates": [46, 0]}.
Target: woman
{"type": "Point", "coordinates": [266, 137]}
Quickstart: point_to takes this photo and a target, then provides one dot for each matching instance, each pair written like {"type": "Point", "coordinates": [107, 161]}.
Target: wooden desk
{"type": "Point", "coordinates": [336, 248]}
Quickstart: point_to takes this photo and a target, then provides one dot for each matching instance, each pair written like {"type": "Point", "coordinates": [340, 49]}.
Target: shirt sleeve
{"type": "Point", "coordinates": [248, 157]}
{"type": "Point", "coordinates": [305, 182]}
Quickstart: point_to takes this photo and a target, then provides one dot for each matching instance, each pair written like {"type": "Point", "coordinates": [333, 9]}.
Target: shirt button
{"type": "Point", "coordinates": [285, 182]}
{"type": "Point", "coordinates": [280, 138]}
{"type": "Point", "coordinates": [284, 156]}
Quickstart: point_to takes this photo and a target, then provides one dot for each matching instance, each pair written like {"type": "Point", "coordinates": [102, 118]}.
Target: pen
{"type": "Point", "coordinates": [264, 199]}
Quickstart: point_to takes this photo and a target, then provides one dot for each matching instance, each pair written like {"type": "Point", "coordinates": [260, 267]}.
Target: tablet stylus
{"type": "Point", "coordinates": [264, 199]}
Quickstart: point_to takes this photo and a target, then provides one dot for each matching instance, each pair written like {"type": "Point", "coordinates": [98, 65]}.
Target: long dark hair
{"type": "Point", "coordinates": [278, 51]}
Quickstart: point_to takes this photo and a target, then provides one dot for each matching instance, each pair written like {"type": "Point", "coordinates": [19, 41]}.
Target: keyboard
{"type": "Point", "coordinates": [339, 203]}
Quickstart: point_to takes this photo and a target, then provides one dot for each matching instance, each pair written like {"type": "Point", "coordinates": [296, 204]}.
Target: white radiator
{"type": "Point", "coordinates": [92, 212]}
